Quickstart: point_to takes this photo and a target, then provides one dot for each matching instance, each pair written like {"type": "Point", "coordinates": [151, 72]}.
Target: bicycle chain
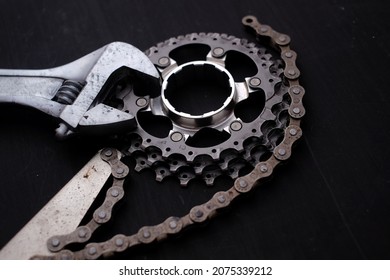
{"type": "Point", "coordinates": [199, 213]}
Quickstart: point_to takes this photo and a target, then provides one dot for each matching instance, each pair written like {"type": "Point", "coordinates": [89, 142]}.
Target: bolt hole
{"type": "Point", "coordinates": [254, 130]}
{"type": "Point", "coordinates": [175, 162]}
{"type": "Point", "coordinates": [249, 20]}
{"type": "Point", "coordinates": [162, 171]}
{"type": "Point", "coordinates": [208, 176]}
{"type": "Point", "coordinates": [136, 145]}
{"type": "Point", "coordinates": [271, 80]}
{"type": "Point", "coordinates": [154, 156]}
{"type": "Point", "coordinates": [155, 51]}
{"type": "Point", "coordinates": [190, 153]}
{"type": "Point", "coordinates": [168, 149]}
{"type": "Point", "coordinates": [235, 143]}
{"type": "Point", "coordinates": [198, 164]}
{"type": "Point", "coordinates": [184, 176]}
{"type": "Point", "coordinates": [148, 140]}
{"type": "Point", "coordinates": [142, 162]}
{"type": "Point", "coordinates": [213, 151]}
{"type": "Point", "coordinates": [231, 170]}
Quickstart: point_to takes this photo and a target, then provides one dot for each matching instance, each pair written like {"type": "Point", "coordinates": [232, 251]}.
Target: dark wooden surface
{"type": "Point", "coordinates": [331, 201]}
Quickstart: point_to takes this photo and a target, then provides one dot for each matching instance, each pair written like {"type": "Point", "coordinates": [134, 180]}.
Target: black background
{"type": "Point", "coordinates": [331, 201]}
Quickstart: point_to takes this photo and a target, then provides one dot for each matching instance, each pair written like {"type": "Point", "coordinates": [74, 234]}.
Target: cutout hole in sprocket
{"type": "Point", "coordinates": [158, 126]}
{"type": "Point", "coordinates": [190, 52]}
{"type": "Point", "coordinates": [240, 65]}
{"type": "Point", "coordinates": [207, 137]}
{"type": "Point", "coordinates": [250, 108]}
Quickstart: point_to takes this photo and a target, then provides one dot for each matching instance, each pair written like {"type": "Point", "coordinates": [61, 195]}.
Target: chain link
{"type": "Point", "coordinates": [202, 212]}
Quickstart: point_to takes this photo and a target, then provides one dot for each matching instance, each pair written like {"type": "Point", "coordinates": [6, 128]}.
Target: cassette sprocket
{"type": "Point", "coordinates": [179, 133]}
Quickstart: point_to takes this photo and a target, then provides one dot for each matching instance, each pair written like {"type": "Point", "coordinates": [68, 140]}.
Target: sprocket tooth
{"type": "Point", "coordinates": [154, 154]}
{"type": "Point", "coordinates": [249, 144]}
{"type": "Point", "coordinates": [185, 175]}
{"type": "Point", "coordinates": [226, 157]}
{"type": "Point", "coordinates": [259, 153]}
{"type": "Point", "coordinates": [135, 143]}
{"type": "Point", "coordinates": [210, 173]}
{"type": "Point", "coordinates": [176, 162]}
{"type": "Point", "coordinates": [161, 170]}
{"type": "Point", "coordinates": [235, 167]}
{"type": "Point", "coordinates": [275, 136]}
{"type": "Point", "coordinates": [141, 163]}
{"type": "Point", "coordinates": [201, 162]}
{"type": "Point", "coordinates": [209, 179]}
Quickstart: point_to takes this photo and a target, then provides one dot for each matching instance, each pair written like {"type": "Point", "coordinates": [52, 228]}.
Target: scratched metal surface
{"type": "Point", "coordinates": [331, 201]}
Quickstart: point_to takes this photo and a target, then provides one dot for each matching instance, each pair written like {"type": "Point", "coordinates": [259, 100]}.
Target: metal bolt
{"type": "Point", "coordinates": [102, 214]}
{"type": "Point", "coordinates": [114, 193]}
{"type": "Point", "coordinates": [119, 242]}
{"type": "Point", "coordinates": [108, 153]}
{"type": "Point", "coordinates": [141, 102]}
{"type": "Point", "coordinates": [176, 136]}
{"type": "Point", "coordinates": [164, 61]}
{"type": "Point", "coordinates": [221, 199]}
{"type": "Point", "coordinates": [218, 51]}
{"type": "Point", "coordinates": [236, 125]}
{"type": "Point", "coordinates": [199, 213]}
{"type": "Point", "coordinates": [55, 242]}
{"type": "Point", "coordinates": [172, 224]}
{"type": "Point", "coordinates": [92, 251]}
{"type": "Point", "coordinates": [146, 234]}
{"type": "Point", "coordinates": [120, 170]}
{"type": "Point", "coordinates": [82, 233]}
{"type": "Point", "coordinates": [293, 131]}
{"type": "Point", "coordinates": [296, 90]}
{"type": "Point", "coordinates": [282, 152]}
{"type": "Point", "coordinates": [296, 110]}
{"type": "Point", "coordinates": [242, 183]}
{"type": "Point", "coordinates": [263, 168]}
{"type": "Point", "coordinates": [282, 38]}
{"type": "Point", "coordinates": [291, 72]}
{"type": "Point", "coordinates": [288, 54]}
{"type": "Point", "coordinates": [254, 82]}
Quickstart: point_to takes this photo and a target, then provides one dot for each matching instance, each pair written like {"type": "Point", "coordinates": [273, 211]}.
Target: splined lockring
{"type": "Point", "coordinates": [222, 108]}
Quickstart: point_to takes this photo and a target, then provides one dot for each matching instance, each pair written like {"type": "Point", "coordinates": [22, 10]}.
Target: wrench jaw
{"type": "Point", "coordinates": [117, 61]}
{"type": "Point", "coordinates": [117, 104]}
{"type": "Point", "coordinates": [114, 109]}
{"type": "Point", "coordinates": [79, 94]}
